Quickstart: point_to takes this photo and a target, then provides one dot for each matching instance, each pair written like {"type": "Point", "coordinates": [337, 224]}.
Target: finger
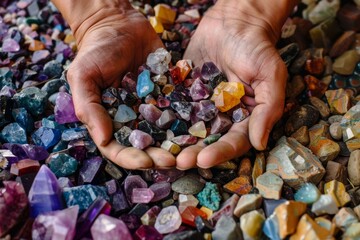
{"type": "Point", "coordinates": [160, 157]}
{"type": "Point", "coordinates": [248, 101]}
{"type": "Point", "coordinates": [233, 144]}
{"type": "Point", "coordinates": [126, 157]}
{"type": "Point", "coordinates": [188, 156]}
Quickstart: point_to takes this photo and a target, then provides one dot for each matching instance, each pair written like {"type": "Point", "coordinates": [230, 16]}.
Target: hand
{"type": "Point", "coordinates": [111, 42]}
{"type": "Point", "coordinates": [241, 43]}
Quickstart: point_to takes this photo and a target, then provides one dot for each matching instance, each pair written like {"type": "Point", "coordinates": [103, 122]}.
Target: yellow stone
{"type": "Point", "coordinates": [171, 147]}
{"type": "Point", "coordinates": [207, 236]}
{"type": "Point", "coordinates": [227, 95]}
{"type": "Point", "coordinates": [165, 14]}
{"type": "Point", "coordinates": [36, 45]}
{"type": "Point", "coordinates": [288, 215]}
{"type": "Point", "coordinates": [185, 68]}
{"type": "Point", "coordinates": [259, 166]}
{"type": "Point", "coordinates": [251, 224]}
{"type": "Point", "coordinates": [167, 89]}
{"type": "Point", "coordinates": [198, 129]}
{"type": "Point", "coordinates": [156, 24]}
{"type": "Point", "coordinates": [207, 211]}
{"type": "Point", "coordinates": [307, 229]}
{"type": "Point", "coordinates": [338, 192]}
{"type": "Point", "coordinates": [69, 38]}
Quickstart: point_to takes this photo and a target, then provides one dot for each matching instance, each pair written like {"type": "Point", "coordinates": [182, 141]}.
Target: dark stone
{"type": "Point", "coordinates": [306, 115]}
{"type": "Point", "coordinates": [186, 235]}
{"type": "Point", "coordinates": [203, 225]}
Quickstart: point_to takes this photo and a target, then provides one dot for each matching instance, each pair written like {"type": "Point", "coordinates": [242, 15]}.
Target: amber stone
{"type": "Point", "coordinates": [184, 67]}
{"type": "Point", "coordinates": [227, 95]}
{"type": "Point", "coordinates": [316, 88]}
{"type": "Point", "coordinates": [245, 167]}
{"type": "Point", "coordinates": [259, 166]}
{"type": "Point", "coordinates": [189, 214]}
{"type": "Point", "coordinates": [338, 192]}
{"type": "Point", "coordinates": [349, 17]}
{"type": "Point", "coordinates": [342, 44]}
{"type": "Point", "coordinates": [240, 185]}
{"type": "Point", "coordinates": [308, 229]}
{"type": "Point", "coordinates": [315, 66]}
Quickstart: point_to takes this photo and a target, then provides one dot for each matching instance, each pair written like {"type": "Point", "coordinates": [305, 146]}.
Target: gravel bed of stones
{"type": "Point", "coordinates": [54, 184]}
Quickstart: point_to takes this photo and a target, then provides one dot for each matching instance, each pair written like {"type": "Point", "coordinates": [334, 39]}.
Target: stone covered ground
{"type": "Point", "coordinates": [56, 185]}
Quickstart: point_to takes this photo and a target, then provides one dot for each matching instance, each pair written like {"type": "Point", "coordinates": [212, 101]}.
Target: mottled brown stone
{"type": "Point", "coordinates": [295, 87]}
{"type": "Point", "coordinates": [306, 115]}
{"type": "Point", "coordinates": [346, 62]}
{"type": "Point", "coordinates": [245, 167]}
{"type": "Point", "coordinates": [205, 173]}
{"type": "Point", "coordinates": [315, 87]}
{"type": "Point", "coordinates": [240, 185]}
{"type": "Point", "coordinates": [353, 144]}
{"type": "Point", "coordinates": [335, 171]}
{"type": "Point", "coordinates": [354, 168]}
{"type": "Point", "coordinates": [325, 149]}
{"type": "Point", "coordinates": [308, 229]}
{"type": "Point", "coordinates": [302, 135]}
{"type": "Point", "coordinates": [318, 131]}
{"type": "Point", "coordinates": [320, 106]}
{"type": "Point", "coordinates": [349, 17]}
{"type": "Point", "coordinates": [342, 44]}
{"type": "Point", "coordinates": [259, 166]}
{"type": "Point", "coordinates": [228, 165]}
{"type": "Point", "coordinates": [269, 185]}
{"type": "Point", "coordinates": [344, 218]}
{"type": "Point", "coordinates": [339, 101]}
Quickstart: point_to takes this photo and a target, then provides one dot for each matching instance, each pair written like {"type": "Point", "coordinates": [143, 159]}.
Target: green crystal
{"type": "Point", "coordinates": [212, 138]}
{"type": "Point", "coordinates": [63, 165]}
{"type": "Point", "coordinates": [307, 193]}
{"type": "Point", "coordinates": [209, 197]}
{"type": "Point", "coordinates": [32, 99]}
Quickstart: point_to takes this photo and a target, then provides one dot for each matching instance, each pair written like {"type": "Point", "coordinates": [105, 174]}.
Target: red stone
{"type": "Point", "coordinates": [189, 214]}
{"type": "Point", "coordinates": [175, 75]}
{"type": "Point", "coordinates": [24, 166]}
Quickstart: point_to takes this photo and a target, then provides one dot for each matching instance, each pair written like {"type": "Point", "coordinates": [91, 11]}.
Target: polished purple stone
{"type": "Point", "coordinates": [161, 190]}
{"type": "Point", "coordinates": [89, 170]}
{"type": "Point", "coordinates": [145, 232]}
{"type": "Point", "coordinates": [57, 224]}
{"type": "Point", "coordinates": [142, 195]}
{"type": "Point", "coordinates": [140, 139]}
{"type": "Point", "coordinates": [129, 82]}
{"type": "Point", "coordinates": [10, 45]}
{"type": "Point", "coordinates": [207, 111]}
{"type": "Point", "coordinates": [45, 193]}
{"type": "Point", "coordinates": [166, 175]}
{"type": "Point", "coordinates": [64, 109]}
{"type": "Point", "coordinates": [40, 55]}
{"type": "Point", "coordinates": [7, 155]}
{"type": "Point", "coordinates": [111, 186]}
{"type": "Point", "coordinates": [199, 91]}
{"type": "Point", "coordinates": [131, 182]}
{"type": "Point", "coordinates": [13, 202]}
{"type": "Point", "coordinates": [209, 70]}
{"type": "Point", "coordinates": [108, 228]}
{"type": "Point", "coordinates": [35, 152]}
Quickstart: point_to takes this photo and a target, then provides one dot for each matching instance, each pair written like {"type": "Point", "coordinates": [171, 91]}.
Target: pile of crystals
{"type": "Point", "coordinates": [173, 107]}
{"type": "Point", "coordinates": [305, 186]}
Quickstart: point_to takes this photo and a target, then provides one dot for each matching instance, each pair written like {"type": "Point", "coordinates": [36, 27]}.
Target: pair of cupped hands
{"type": "Point", "coordinates": [113, 42]}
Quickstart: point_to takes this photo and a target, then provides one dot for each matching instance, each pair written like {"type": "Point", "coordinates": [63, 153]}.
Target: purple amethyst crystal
{"type": "Point", "coordinates": [64, 109]}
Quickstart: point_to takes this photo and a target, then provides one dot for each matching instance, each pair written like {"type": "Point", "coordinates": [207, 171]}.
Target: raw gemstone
{"type": "Point", "coordinates": [259, 166]}
{"type": "Point", "coordinates": [83, 195]}
{"type": "Point", "coordinates": [64, 182]}
{"type": "Point", "coordinates": [206, 110]}
{"type": "Point", "coordinates": [321, 106]}
{"type": "Point", "coordinates": [162, 102]}
{"type": "Point", "coordinates": [86, 219]}
{"type": "Point", "coordinates": [324, 33]}
{"type": "Point", "coordinates": [10, 45]}
{"type": "Point", "coordinates": [189, 213]}
{"type": "Point", "coordinates": [188, 184]}
{"type": "Point", "coordinates": [350, 124]}
{"type": "Point", "coordinates": [166, 119]}
{"type": "Point", "coordinates": [240, 114]}
{"type": "Point", "coordinates": [212, 138]}
{"type": "Point", "coordinates": [187, 200]}
{"type": "Point", "coordinates": [171, 147]}
{"type": "Point", "coordinates": [227, 95]}
{"type": "Point", "coordinates": [46, 137]}
{"type": "Point", "coordinates": [147, 233]}
{"type": "Point", "coordinates": [150, 216]}
{"type": "Point", "coordinates": [294, 163]}
{"type": "Point", "coordinates": [158, 61]}
{"type": "Point", "coordinates": [344, 218]}
{"type": "Point", "coordinates": [208, 212]}
{"type": "Point", "coordinates": [62, 165]}
{"type": "Point", "coordinates": [45, 193]}
{"type": "Point", "coordinates": [226, 229]}
{"type": "Point", "coordinates": [24, 166]}
{"type": "Point", "coordinates": [106, 227]}
{"type": "Point", "coordinates": [131, 182]}
{"type": "Point", "coordinates": [64, 109]}
{"type": "Point", "coordinates": [315, 87]}
{"type": "Point", "coordinates": [247, 203]}
{"type": "Point", "coordinates": [140, 139]}
{"type": "Point", "coordinates": [353, 168]}
{"type": "Point", "coordinates": [203, 225]}
{"type": "Point", "coordinates": [346, 62]}
{"type": "Point", "coordinates": [324, 10]}
{"type": "Point", "coordinates": [198, 129]}
{"type": "Point", "coordinates": [337, 190]}
{"type": "Point", "coordinates": [269, 185]}
{"type": "Point", "coordinates": [166, 175]}
{"type": "Point", "coordinates": [156, 24]}
{"type": "Point", "coordinates": [13, 201]}
{"type": "Point", "coordinates": [227, 208]}
{"type": "Point", "coordinates": [251, 224]}
{"type": "Point", "coordinates": [335, 131]}
{"type": "Point", "coordinates": [288, 215]}
{"type": "Point", "coordinates": [165, 14]}
{"type": "Point", "coordinates": [210, 196]}
{"type": "Point", "coordinates": [184, 235]}
{"type": "Point", "coordinates": [306, 115]}
{"type": "Point", "coordinates": [155, 132]}
{"type": "Point", "coordinates": [184, 140]}
{"type": "Point", "coordinates": [220, 124]}
{"type": "Point", "coordinates": [14, 133]}
{"type": "Point", "coordinates": [309, 229]}
{"type": "Point", "coordinates": [150, 112]}
{"type": "Point", "coordinates": [53, 69]}
{"type": "Point", "coordinates": [183, 109]}
{"type": "Point", "coordinates": [124, 114]}
{"type": "Point", "coordinates": [271, 228]}
{"type": "Point", "coordinates": [324, 148]}
{"type": "Point", "coordinates": [113, 170]}
{"type": "Point", "coordinates": [179, 127]}
{"type": "Point", "coordinates": [24, 119]}
{"type": "Point", "coordinates": [168, 220]}
{"type": "Point", "coordinates": [240, 185]}
{"type": "Point", "coordinates": [324, 205]}
{"type": "Point", "coordinates": [90, 168]}
{"type": "Point", "coordinates": [335, 171]}
{"type": "Point", "coordinates": [342, 44]}
{"type": "Point", "coordinates": [199, 91]}
{"type": "Point", "coordinates": [209, 71]}
{"type": "Point", "coordinates": [56, 225]}
{"type": "Point", "coordinates": [142, 195]}
{"type": "Point", "coordinates": [40, 55]}
{"type": "Point", "coordinates": [122, 136]}
{"type": "Point", "coordinates": [307, 193]}
{"type": "Point", "coordinates": [119, 201]}
{"type": "Point", "coordinates": [161, 190]}
{"type": "Point", "coordinates": [132, 219]}
{"type": "Point", "coordinates": [352, 231]}
{"type": "Point", "coordinates": [339, 101]}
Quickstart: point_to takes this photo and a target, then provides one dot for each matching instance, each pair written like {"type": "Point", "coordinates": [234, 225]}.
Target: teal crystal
{"type": "Point", "coordinates": [46, 137]}
{"type": "Point", "coordinates": [271, 228]}
{"type": "Point", "coordinates": [23, 118]}
{"type": "Point", "coordinates": [210, 197]}
{"type": "Point", "coordinates": [84, 195]}
{"type": "Point", "coordinates": [62, 165]}
{"type": "Point", "coordinates": [212, 138]}
{"type": "Point", "coordinates": [144, 84]}
{"type": "Point", "coordinates": [307, 193]}
{"type": "Point", "coordinates": [124, 114]}
{"type": "Point", "coordinates": [32, 99]}
{"type": "Point", "coordinates": [14, 133]}
{"type": "Point", "coordinates": [179, 127]}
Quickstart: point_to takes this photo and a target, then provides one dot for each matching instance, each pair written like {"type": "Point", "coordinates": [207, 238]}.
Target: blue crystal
{"type": "Point", "coordinates": [62, 164]}
{"type": "Point", "coordinates": [14, 133]}
{"type": "Point", "coordinates": [45, 193]}
{"type": "Point", "coordinates": [307, 193]}
{"type": "Point", "coordinates": [53, 69]}
{"type": "Point", "coordinates": [179, 127]}
{"type": "Point", "coordinates": [49, 122]}
{"type": "Point", "coordinates": [271, 228]}
{"type": "Point", "coordinates": [124, 114]}
{"type": "Point", "coordinates": [23, 118]}
{"type": "Point", "coordinates": [61, 145]}
{"type": "Point", "coordinates": [269, 205]}
{"type": "Point", "coordinates": [32, 99]}
{"type": "Point", "coordinates": [144, 84]}
{"type": "Point", "coordinates": [83, 195]}
{"type": "Point", "coordinates": [46, 137]}
{"type": "Point", "coordinates": [74, 134]}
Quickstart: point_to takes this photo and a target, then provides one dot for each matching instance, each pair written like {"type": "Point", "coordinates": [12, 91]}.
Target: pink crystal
{"type": "Point", "coordinates": [60, 225]}
{"type": "Point", "coordinates": [166, 119]}
{"type": "Point", "coordinates": [10, 45]}
{"type": "Point", "coordinates": [220, 124]}
{"type": "Point", "coordinates": [131, 182]}
{"type": "Point", "coordinates": [184, 140]}
{"type": "Point", "coordinates": [148, 233]}
{"type": "Point", "coordinates": [168, 220]}
{"type": "Point", "coordinates": [64, 109]}
{"type": "Point", "coordinates": [227, 208]}
{"type": "Point", "coordinates": [150, 112]}
{"type": "Point", "coordinates": [142, 195]}
{"type": "Point", "coordinates": [199, 91]}
{"type": "Point", "coordinates": [166, 175]}
{"type": "Point", "coordinates": [162, 102]}
{"type": "Point", "coordinates": [109, 228]}
{"type": "Point", "coordinates": [140, 139]}
{"type": "Point", "coordinates": [161, 190]}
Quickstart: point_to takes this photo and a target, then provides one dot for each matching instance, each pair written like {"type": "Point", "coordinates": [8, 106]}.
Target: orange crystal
{"type": "Point", "coordinates": [227, 95]}
{"type": "Point", "coordinates": [185, 68]}
{"type": "Point", "coordinates": [190, 213]}
{"type": "Point", "coordinates": [36, 45]}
